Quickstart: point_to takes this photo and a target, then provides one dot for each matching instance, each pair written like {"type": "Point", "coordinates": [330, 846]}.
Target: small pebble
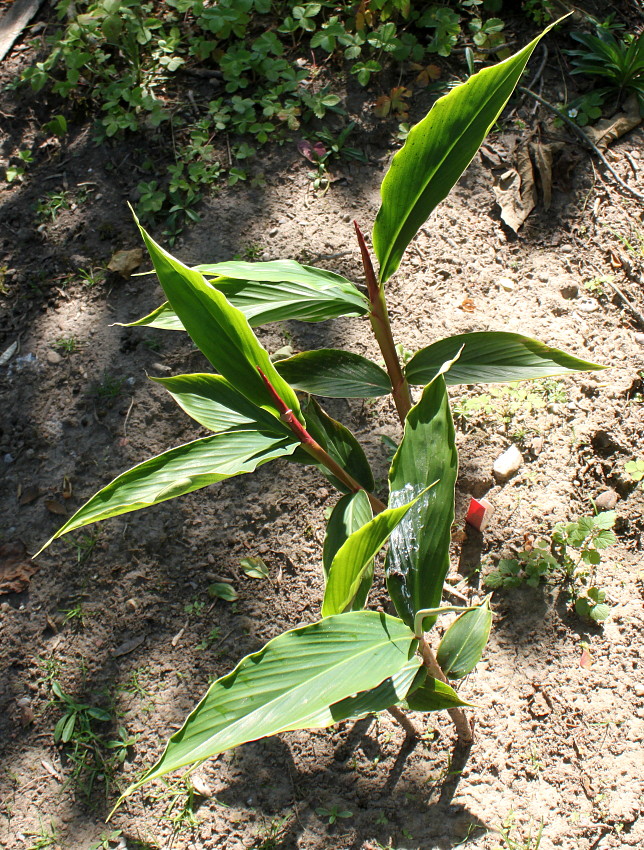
{"type": "Point", "coordinates": [639, 338]}
{"type": "Point", "coordinates": [569, 291]}
{"type": "Point", "coordinates": [8, 458]}
{"type": "Point", "coordinates": [161, 367]}
{"type": "Point", "coordinates": [507, 464]}
{"type": "Point", "coordinates": [589, 305]}
{"type": "Point", "coordinates": [54, 357]}
{"type": "Point", "coordinates": [506, 283]}
{"type": "Point", "coordinates": [273, 231]}
{"type": "Point", "coordinates": [606, 501]}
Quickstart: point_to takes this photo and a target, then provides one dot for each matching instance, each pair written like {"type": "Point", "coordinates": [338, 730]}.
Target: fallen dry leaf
{"type": "Point", "coordinates": [16, 569]}
{"type": "Point", "coordinates": [468, 305]}
{"type": "Point", "coordinates": [586, 660]}
{"type": "Point", "coordinates": [29, 494]}
{"type": "Point", "coordinates": [610, 129]}
{"type": "Point", "coordinates": [55, 507]}
{"type": "Point", "coordinates": [543, 155]}
{"type": "Point", "coordinates": [125, 262]}
{"type": "Point", "coordinates": [515, 191]}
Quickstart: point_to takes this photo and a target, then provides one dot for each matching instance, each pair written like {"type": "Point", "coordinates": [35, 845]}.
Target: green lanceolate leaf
{"type": "Point", "coordinates": [298, 680]}
{"type": "Point", "coordinates": [352, 511]}
{"type": "Point", "coordinates": [437, 152]}
{"type": "Point", "coordinates": [163, 318]}
{"type": "Point", "coordinates": [277, 291]}
{"type": "Point", "coordinates": [492, 357]}
{"type": "Point", "coordinates": [339, 442]}
{"type": "Point", "coordinates": [216, 405]}
{"type": "Point", "coordinates": [181, 470]}
{"type": "Point", "coordinates": [352, 565]}
{"type": "Point", "coordinates": [418, 556]}
{"type": "Point", "coordinates": [335, 374]}
{"type": "Point", "coordinates": [432, 695]}
{"type": "Point", "coordinates": [219, 330]}
{"type": "Point", "coordinates": [463, 643]}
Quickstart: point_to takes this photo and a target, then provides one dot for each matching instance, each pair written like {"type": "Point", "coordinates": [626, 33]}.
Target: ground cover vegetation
{"type": "Point", "coordinates": [270, 66]}
{"type": "Point", "coordinates": [353, 661]}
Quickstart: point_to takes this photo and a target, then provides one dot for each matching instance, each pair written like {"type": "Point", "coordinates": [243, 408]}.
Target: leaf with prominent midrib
{"type": "Point", "coordinates": [181, 470]}
{"type": "Point", "coordinates": [335, 374]}
{"type": "Point", "coordinates": [463, 643]}
{"type": "Point", "coordinates": [310, 677]}
{"type": "Point", "coordinates": [437, 152]}
{"type": "Point", "coordinates": [492, 357]}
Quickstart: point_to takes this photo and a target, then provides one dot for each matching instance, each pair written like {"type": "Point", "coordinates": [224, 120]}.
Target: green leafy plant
{"type": "Point", "coordinates": [617, 61]}
{"type": "Point", "coordinates": [570, 559]}
{"type": "Point", "coordinates": [332, 813]}
{"type": "Point", "coordinates": [635, 469]}
{"type": "Point", "coordinates": [352, 661]}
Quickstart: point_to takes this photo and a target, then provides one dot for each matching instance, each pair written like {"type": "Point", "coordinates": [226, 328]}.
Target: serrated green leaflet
{"type": "Point", "coordinates": [353, 562]}
{"type": "Point", "coordinates": [418, 556]}
{"type": "Point", "coordinates": [178, 471]}
{"type": "Point", "coordinates": [492, 357]}
{"type": "Point", "coordinates": [215, 404]}
{"type": "Point", "coordinates": [335, 374]}
{"type": "Point", "coordinates": [350, 513]}
{"type": "Point", "coordinates": [463, 643]}
{"type": "Point", "coordinates": [294, 682]}
{"type": "Point", "coordinates": [219, 330]}
{"type": "Point", "coordinates": [437, 152]}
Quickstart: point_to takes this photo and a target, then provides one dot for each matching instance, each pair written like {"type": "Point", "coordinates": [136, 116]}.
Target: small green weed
{"type": "Point", "coordinates": [15, 173]}
{"type": "Point", "coordinates": [332, 813]}
{"type": "Point", "coordinates": [106, 840]}
{"type": "Point", "coordinates": [517, 841]}
{"type": "Point", "coordinates": [212, 637]}
{"type": "Point", "coordinates": [44, 838]}
{"type": "Point", "coordinates": [109, 387]}
{"type": "Point", "coordinates": [596, 284]}
{"type": "Point", "coordinates": [570, 559]}
{"type": "Point", "coordinates": [91, 277]}
{"type": "Point", "coordinates": [508, 404]}
{"type": "Point", "coordinates": [178, 800]}
{"type": "Point", "coordinates": [635, 469]}
{"type": "Point", "coordinates": [67, 344]}
{"type": "Point", "coordinates": [271, 834]}
{"type": "Point", "coordinates": [49, 206]}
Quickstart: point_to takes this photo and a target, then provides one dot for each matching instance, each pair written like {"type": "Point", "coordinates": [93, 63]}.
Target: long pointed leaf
{"type": "Point", "coordinates": [162, 317]}
{"type": "Point", "coordinates": [294, 682]}
{"type": "Point", "coordinates": [335, 374]}
{"type": "Point", "coordinates": [492, 357]}
{"type": "Point", "coordinates": [432, 695]}
{"type": "Point", "coordinates": [437, 152]}
{"type": "Point", "coordinates": [351, 512]}
{"type": "Point", "coordinates": [418, 556]}
{"type": "Point", "coordinates": [216, 405]}
{"type": "Point", "coordinates": [219, 330]}
{"type": "Point", "coordinates": [354, 560]}
{"type": "Point", "coordinates": [178, 471]}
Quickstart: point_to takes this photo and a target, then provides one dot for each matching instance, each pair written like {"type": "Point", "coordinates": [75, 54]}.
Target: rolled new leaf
{"type": "Point", "coordinates": [220, 331]}
{"type": "Point", "coordinates": [300, 679]}
{"type": "Point", "coordinates": [418, 557]}
{"type": "Point", "coordinates": [353, 562]}
{"type": "Point", "coordinates": [335, 374]}
{"type": "Point", "coordinates": [463, 643]}
{"type": "Point", "coordinates": [492, 357]}
{"type": "Point", "coordinates": [179, 471]}
{"type": "Point", "coordinates": [437, 151]}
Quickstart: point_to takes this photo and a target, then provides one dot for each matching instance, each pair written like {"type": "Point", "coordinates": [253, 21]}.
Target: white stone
{"type": "Point", "coordinates": [507, 464]}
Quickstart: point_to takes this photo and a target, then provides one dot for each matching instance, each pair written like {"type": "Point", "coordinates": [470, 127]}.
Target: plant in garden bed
{"type": "Point", "coordinates": [352, 661]}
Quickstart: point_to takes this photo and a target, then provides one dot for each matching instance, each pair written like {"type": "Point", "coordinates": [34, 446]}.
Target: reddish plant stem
{"type": "Point", "coordinates": [464, 728]}
{"type": "Point", "coordinates": [379, 318]}
{"type": "Point", "coordinates": [312, 447]}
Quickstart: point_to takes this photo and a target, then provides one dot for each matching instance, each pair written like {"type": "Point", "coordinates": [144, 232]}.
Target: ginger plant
{"type": "Point", "coordinates": [352, 661]}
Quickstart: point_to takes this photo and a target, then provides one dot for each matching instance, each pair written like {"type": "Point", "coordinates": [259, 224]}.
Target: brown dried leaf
{"type": "Point", "coordinates": [543, 158]}
{"type": "Point", "coordinates": [516, 192]}
{"type": "Point", "coordinates": [16, 569]}
{"type": "Point", "coordinates": [468, 305]}
{"type": "Point", "coordinates": [610, 129]}
{"type": "Point", "coordinates": [125, 262]}
{"type": "Point", "coordinates": [29, 494]}
{"type": "Point", "coordinates": [55, 507]}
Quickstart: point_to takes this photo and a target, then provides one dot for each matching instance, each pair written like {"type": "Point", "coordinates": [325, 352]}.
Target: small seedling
{"type": "Point", "coordinates": [67, 344]}
{"type": "Point", "coordinates": [109, 387]}
{"type": "Point", "coordinates": [52, 204]}
{"type": "Point", "coordinates": [212, 637]}
{"type": "Point", "coordinates": [222, 590]}
{"type": "Point", "coordinates": [332, 813]}
{"type": "Point", "coordinates": [46, 837]}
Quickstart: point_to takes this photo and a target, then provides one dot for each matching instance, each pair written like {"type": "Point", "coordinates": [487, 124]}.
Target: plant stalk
{"type": "Point", "coordinates": [404, 721]}
{"type": "Point", "coordinates": [312, 447]}
{"type": "Point", "coordinates": [379, 318]}
{"type": "Point", "coordinates": [464, 728]}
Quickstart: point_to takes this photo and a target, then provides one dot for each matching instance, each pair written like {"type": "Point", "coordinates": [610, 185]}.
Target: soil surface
{"type": "Point", "coordinates": [121, 619]}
